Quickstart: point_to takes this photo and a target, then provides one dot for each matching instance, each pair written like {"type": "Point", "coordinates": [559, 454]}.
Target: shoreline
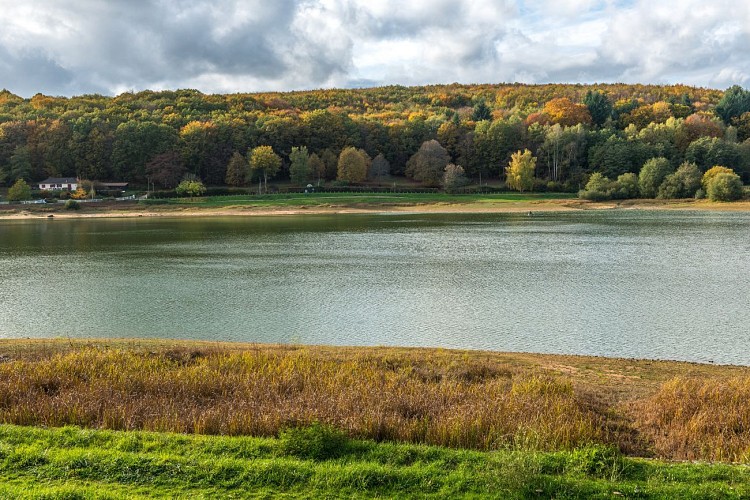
{"type": "Point", "coordinates": [500, 206]}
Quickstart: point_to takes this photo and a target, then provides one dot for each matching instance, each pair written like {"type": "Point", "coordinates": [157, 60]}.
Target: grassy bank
{"type": "Point", "coordinates": [317, 462]}
{"type": "Point", "coordinates": [332, 203]}
{"type": "Point", "coordinates": [473, 400]}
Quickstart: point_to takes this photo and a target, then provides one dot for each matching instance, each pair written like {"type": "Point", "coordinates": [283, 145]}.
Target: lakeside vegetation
{"type": "Point", "coordinates": [442, 136]}
{"type": "Point", "coordinates": [318, 462]}
{"type": "Point", "coordinates": [477, 400]}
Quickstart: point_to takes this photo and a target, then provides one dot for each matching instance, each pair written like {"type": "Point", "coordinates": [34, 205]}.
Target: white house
{"type": "Point", "coordinates": [59, 183]}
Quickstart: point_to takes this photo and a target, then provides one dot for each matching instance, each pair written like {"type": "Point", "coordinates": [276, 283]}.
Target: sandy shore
{"type": "Point", "coordinates": [500, 206]}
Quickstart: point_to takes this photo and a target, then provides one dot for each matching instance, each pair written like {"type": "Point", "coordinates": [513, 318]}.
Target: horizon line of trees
{"type": "Point", "coordinates": [234, 140]}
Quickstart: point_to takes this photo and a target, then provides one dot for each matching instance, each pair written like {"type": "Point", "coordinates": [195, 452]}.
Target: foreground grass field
{"type": "Point", "coordinates": [317, 462]}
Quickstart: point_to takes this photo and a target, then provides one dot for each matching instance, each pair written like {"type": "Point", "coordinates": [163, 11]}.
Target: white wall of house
{"type": "Point", "coordinates": [58, 187]}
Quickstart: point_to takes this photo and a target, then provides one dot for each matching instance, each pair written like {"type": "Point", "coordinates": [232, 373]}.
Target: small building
{"type": "Point", "coordinates": [59, 183]}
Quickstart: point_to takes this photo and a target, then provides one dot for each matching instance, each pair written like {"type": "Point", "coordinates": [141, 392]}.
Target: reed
{"type": "Point", "coordinates": [476, 400]}
{"type": "Point", "coordinates": [260, 393]}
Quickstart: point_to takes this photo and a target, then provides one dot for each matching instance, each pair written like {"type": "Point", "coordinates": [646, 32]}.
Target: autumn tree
{"type": "Point", "coordinates": [263, 160]}
{"type": "Point", "coordinates": [237, 170]}
{"type": "Point", "coordinates": [352, 165]}
{"type": "Point", "coordinates": [428, 164]}
{"type": "Point", "coordinates": [519, 173]}
{"type": "Point", "coordinates": [299, 167]}
{"type": "Point", "coordinates": [713, 172]}
{"type": "Point", "coordinates": [565, 112]}
{"type": "Point", "coordinates": [165, 169]}
{"type": "Point", "coordinates": [652, 175]}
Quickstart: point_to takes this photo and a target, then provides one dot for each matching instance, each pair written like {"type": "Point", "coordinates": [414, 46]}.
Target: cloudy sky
{"type": "Point", "coordinates": [68, 47]}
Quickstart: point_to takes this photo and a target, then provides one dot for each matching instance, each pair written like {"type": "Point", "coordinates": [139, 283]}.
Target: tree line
{"type": "Point", "coordinates": [436, 135]}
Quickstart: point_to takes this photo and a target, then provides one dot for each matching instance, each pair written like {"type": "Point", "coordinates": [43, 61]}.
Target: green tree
{"type": "Point", "coordinates": [352, 165]}
{"type": "Point", "coordinates": [331, 162]}
{"type": "Point", "coordinates": [191, 188]}
{"type": "Point", "coordinates": [317, 167]}
{"type": "Point", "coordinates": [428, 164]}
{"type": "Point", "coordinates": [481, 112]}
{"type": "Point", "coordinates": [19, 191]}
{"type": "Point", "coordinates": [598, 188]}
{"type": "Point", "coordinates": [379, 168]}
{"type": "Point", "coordinates": [735, 101]}
{"type": "Point", "coordinates": [519, 173]}
{"type": "Point", "coordinates": [652, 175]}
{"type": "Point", "coordinates": [599, 106]}
{"type": "Point", "coordinates": [20, 163]}
{"type": "Point", "coordinates": [713, 172]}
{"type": "Point", "coordinates": [237, 170]}
{"type": "Point", "coordinates": [135, 144]}
{"type": "Point", "coordinates": [454, 177]}
{"type": "Point", "coordinates": [299, 167]}
{"type": "Point", "coordinates": [681, 184]}
{"type": "Point", "coordinates": [264, 160]}
{"type": "Point", "coordinates": [725, 187]}
{"type": "Point", "coordinates": [626, 187]}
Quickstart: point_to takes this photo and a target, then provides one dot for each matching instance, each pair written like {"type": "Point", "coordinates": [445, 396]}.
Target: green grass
{"type": "Point", "coordinates": [319, 462]}
{"type": "Point", "coordinates": [348, 199]}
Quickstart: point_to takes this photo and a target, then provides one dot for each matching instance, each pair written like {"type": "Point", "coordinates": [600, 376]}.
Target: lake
{"type": "Point", "coordinates": [624, 283]}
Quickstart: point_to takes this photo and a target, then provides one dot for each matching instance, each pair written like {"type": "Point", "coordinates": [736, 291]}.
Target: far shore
{"type": "Point", "coordinates": [474, 207]}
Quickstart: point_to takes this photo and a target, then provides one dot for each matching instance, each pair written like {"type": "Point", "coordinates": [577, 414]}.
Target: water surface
{"type": "Point", "coordinates": [645, 284]}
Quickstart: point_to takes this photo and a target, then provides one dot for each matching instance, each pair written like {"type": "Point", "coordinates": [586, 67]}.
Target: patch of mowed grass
{"type": "Point", "coordinates": [75, 463]}
{"type": "Point", "coordinates": [358, 199]}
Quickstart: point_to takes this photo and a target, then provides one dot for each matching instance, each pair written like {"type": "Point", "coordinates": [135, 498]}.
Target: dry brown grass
{"type": "Point", "coordinates": [475, 400]}
{"type": "Point", "coordinates": [691, 418]}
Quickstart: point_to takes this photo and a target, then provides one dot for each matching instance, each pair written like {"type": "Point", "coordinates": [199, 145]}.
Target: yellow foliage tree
{"type": "Point", "coordinates": [519, 174]}
{"type": "Point", "coordinates": [713, 172]}
{"type": "Point", "coordinates": [566, 112]}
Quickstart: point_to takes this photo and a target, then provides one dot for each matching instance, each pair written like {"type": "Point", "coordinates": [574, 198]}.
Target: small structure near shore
{"type": "Point", "coordinates": [59, 183]}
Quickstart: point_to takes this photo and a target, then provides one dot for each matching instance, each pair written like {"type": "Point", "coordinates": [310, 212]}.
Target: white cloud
{"type": "Point", "coordinates": [67, 46]}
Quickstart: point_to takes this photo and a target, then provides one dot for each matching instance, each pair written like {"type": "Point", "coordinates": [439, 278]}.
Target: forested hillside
{"type": "Point", "coordinates": [572, 130]}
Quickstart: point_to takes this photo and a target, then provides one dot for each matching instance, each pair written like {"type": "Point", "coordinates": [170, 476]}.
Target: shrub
{"type": "Point", "coordinates": [681, 184]}
{"type": "Point", "coordinates": [315, 442]}
{"type": "Point", "coordinates": [191, 188]}
{"type": "Point", "coordinates": [713, 172]}
{"type": "Point", "coordinates": [598, 188]}
{"type": "Point", "coordinates": [725, 187]}
{"type": "Point", "coordinates": [626, 187]}
{"type": "Point", "coordinates": [72, 205]}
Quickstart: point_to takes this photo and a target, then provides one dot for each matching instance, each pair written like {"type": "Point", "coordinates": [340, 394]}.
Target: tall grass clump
{"type": "Point", "coordinates": [691, 418]}
{"type": "Point", "coordinates": [418, 399]}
